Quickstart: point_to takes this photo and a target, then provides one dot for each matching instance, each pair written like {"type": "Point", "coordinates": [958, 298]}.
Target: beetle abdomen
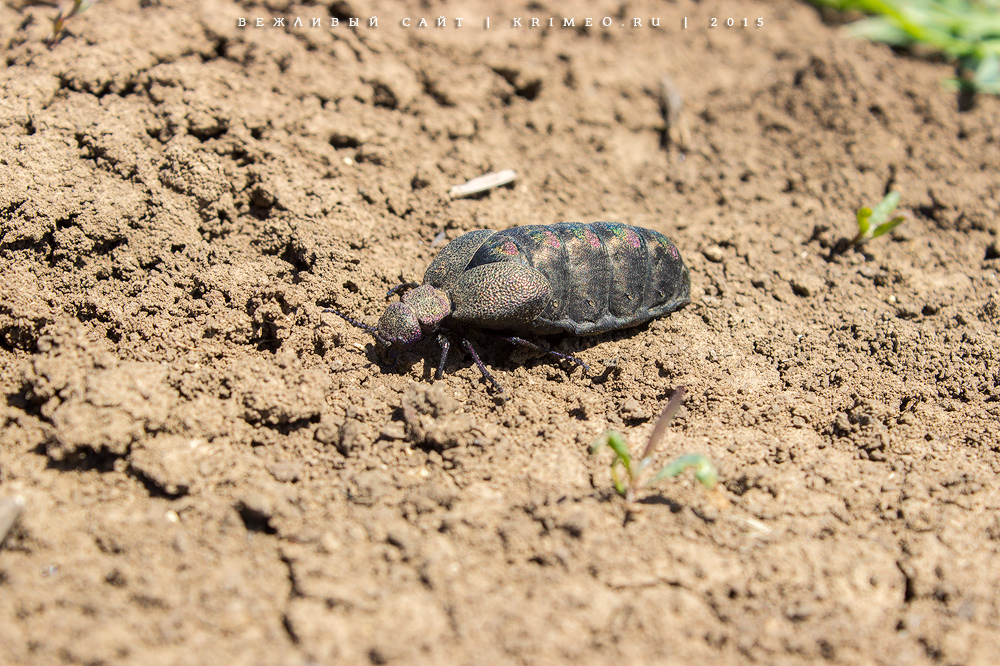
{"type": "Point", "coordinates": [603, 276]}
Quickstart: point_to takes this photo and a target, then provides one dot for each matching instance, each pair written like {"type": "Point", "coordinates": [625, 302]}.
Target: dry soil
{"type": "Point", "coordinates": [218, 472]}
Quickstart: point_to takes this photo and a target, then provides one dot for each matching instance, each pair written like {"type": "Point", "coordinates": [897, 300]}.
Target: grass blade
{"type": "Point", "coordinates": [666, 416]}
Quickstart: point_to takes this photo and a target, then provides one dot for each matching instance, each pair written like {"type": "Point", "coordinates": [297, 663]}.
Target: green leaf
{"type": "Point", "coordinates": [877, 217]}
{"type": "Point", "coordinates": [863, 214]}
{"type": "Point", "coordinates": [600, 442]}
{"type": "Point", "coordinates": [619, 485]}
{"type": "Point", "coordinates": [614, 440]}
{"type": "Point", "coordinates": [884, 207]}
{"type": "Point", "coordinates": [966, 31]}
{"type": "Point", "coordinates": [617, 444]}
{"type": "Point", "coordinates": [987, 75]}
{"type": "Point", "coordinates": [704, 470]}
{"type": "Point", "coordinates": [888, 226]}
{"type": "Point", "coordinates": [880, 30]}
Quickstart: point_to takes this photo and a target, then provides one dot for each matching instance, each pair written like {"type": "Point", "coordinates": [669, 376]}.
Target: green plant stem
{"type": "Point", "coordinates": [59, 22]}
{"type": "Point", "coordinates": [704, 470]}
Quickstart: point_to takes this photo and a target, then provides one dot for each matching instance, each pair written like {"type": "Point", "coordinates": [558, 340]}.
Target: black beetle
{"type": "Point", "coordinates": [573, 278]}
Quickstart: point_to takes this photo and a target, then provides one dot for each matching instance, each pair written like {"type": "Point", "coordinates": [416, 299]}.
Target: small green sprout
{"type": "Point", "coordinates": [704, 470]}
{"type": "Point", "coordinates": [872, 223]}
{"type": "Point", "coordinates": [59, 22]}
{"type": "Point", "coordinates": [967, 32]}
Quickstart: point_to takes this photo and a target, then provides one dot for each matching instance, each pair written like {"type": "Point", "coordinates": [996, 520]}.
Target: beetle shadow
{"type": "Point", "coordinates": [661, 500]}
{"type": "Point", "coordinates": [538, 352]}
{"type": "Point", "coordinates": [388, 360]}
{"type": "Point", "coordinates": [541, 350]}
{"type": "Point", "coordinates": [552, 343]}
{"type": "Point", "coordinates": [496, 348]}
{"type": "Point", "coordinates": [426, 351]}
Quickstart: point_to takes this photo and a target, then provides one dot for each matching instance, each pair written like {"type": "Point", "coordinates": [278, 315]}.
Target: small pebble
{"type": "Point", "coordinates": [713, 253]}
{"type": "Point", "coordinates": [483, 183]}
{"type": "Point", "coordinates": [807, 285]}
{"type": "Point", "coordinates": [285, 472]}
{"type": "Point", "coordinates": [10, 509]}
{"type": "Point", "coordinates": [352, 438]}
{"type": "Point", "coordinates": [632, 409]}
{"type": "Point", "coordinates": [394, 430]}
{"type": "Point", "coordinates": [327, 432]}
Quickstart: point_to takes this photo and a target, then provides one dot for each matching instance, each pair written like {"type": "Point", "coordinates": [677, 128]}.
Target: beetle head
{"type": "Point", "coordinates": [398, 327]}
{"type": "Point", "coordinates": [419, 313]}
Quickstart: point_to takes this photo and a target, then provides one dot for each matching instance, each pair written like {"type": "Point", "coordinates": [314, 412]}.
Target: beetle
{"type": "Point", "coordinates": [581, 279]}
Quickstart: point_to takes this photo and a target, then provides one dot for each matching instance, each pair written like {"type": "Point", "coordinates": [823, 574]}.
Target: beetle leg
{"type": "Point", "coordinates": [479, 364]}
{"type": "Point", "coordinates": [445, 346]}
{"type": "Point", "coordinates": [532, 345]}
{"type": "Point", "coordinates": [406, 286]}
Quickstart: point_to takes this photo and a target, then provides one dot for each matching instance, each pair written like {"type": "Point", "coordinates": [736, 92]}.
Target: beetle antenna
{"type": "Point", "coordinates": [360, 324]}
{"type": "Point", "coordinates": [352, 321]}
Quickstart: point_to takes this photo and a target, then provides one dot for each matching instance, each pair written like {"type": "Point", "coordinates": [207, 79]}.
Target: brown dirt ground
{"type": "Point", "coordinates": [218, 472]}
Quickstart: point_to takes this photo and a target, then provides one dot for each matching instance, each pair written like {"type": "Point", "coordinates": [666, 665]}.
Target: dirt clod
{"type": "Point", "coordinates": [432, 420]}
